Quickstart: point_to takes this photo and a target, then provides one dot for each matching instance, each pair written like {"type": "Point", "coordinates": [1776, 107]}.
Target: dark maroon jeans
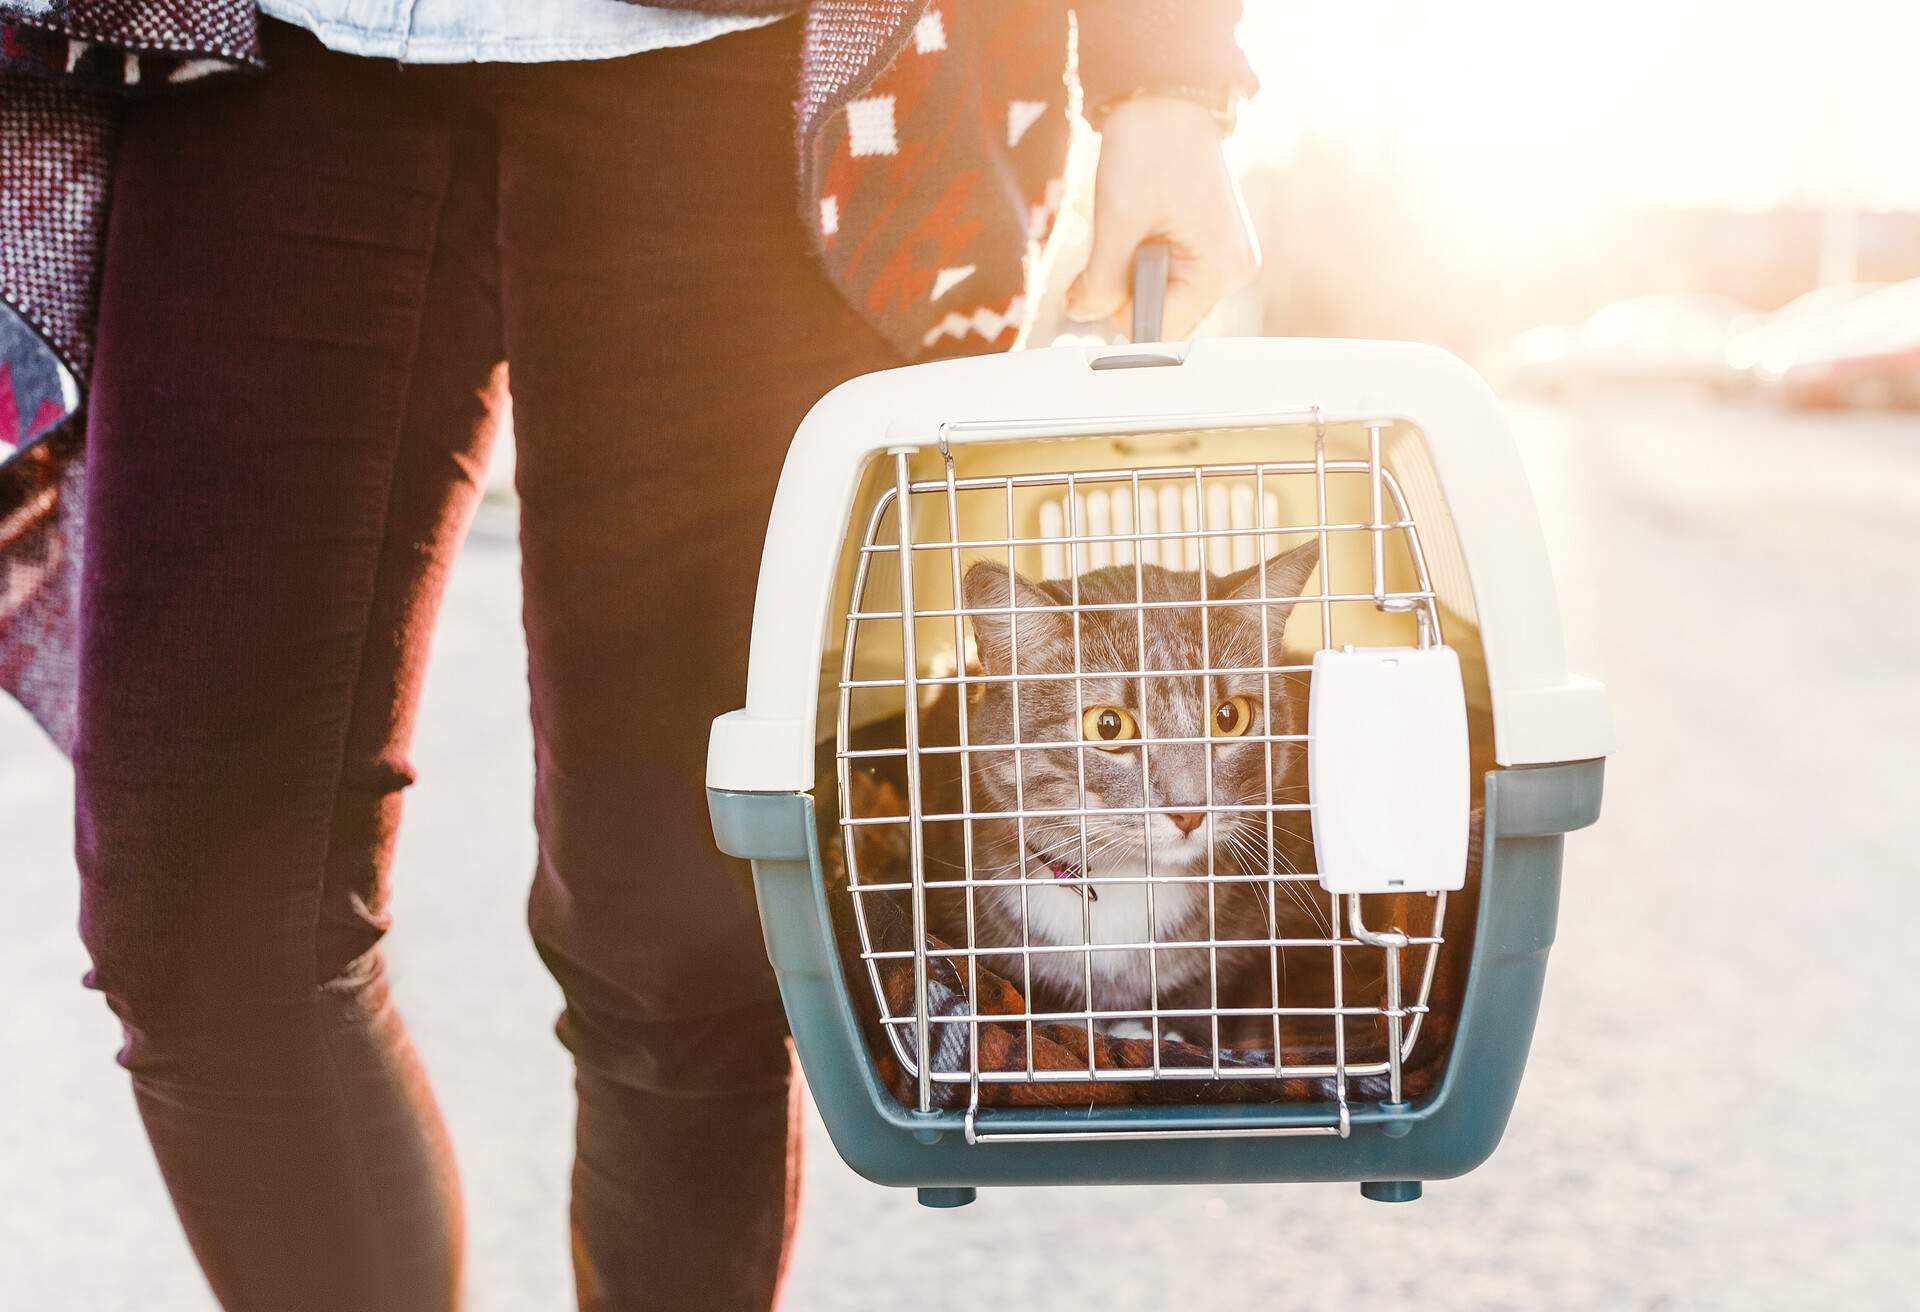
{"type": "Point", "coordinates": [311, 280]}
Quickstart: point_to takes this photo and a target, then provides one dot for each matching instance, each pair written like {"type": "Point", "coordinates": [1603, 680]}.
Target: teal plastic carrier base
{"type": "Point", "coordinates": [1389, 1149]}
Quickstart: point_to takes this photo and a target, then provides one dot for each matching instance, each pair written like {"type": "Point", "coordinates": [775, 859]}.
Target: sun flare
{"type": "Point", "coordinates": [1547, 113]}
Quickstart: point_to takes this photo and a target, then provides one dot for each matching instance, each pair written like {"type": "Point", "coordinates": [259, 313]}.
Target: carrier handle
{"type": "Point", "coordinates": [1150, 264]}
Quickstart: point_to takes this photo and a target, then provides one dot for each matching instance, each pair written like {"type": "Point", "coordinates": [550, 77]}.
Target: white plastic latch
{"type": "Point", "coordinates": [1387, 769]}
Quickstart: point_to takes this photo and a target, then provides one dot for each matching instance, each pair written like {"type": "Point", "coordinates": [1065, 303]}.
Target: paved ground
{"type": "Point", "coordinates": [1712, 1116]}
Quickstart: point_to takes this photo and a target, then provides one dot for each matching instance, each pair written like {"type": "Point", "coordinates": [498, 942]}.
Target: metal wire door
{"type": "Point", "coordinates": [1199, 518]}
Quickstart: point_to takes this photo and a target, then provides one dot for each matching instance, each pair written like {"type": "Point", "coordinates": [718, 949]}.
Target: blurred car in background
{"type": "Point", "coordinates": [1665, 337]}
{"type": "Point", "coordinates": [1762, 346]}
{"type": "Point", "coordinates": [1535, 360]}
{"type": "Point", "coordinates": [1886, 379]}
{"type": "Point", "coordinates": [1864, 355]}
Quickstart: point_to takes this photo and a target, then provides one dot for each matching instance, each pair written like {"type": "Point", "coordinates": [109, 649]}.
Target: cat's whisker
{"type": "Point", "coordinates": [1117, 848]}
{"type": "Point", "coordinates": [1252, 856]}
{"type": "Point", "coordinates": [1067, 843]}
{"type": "Point", "coordinates": [1310, 905]}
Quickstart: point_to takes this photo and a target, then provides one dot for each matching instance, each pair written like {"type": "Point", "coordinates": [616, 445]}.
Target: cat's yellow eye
{"type": "Point", "coordinates": [1108, 727]}
{"type": "Point", "coordinates": [1232, 717]}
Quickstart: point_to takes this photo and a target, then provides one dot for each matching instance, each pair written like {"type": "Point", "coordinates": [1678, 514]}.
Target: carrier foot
{"type": "Point", "coordinates": [950, 1197]}
{"type": "Point", "coordinates": [1389, 1191]}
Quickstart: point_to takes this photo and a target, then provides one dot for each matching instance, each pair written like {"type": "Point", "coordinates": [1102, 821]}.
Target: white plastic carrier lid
{"type": "Point", "coordinates": [1541, 713]}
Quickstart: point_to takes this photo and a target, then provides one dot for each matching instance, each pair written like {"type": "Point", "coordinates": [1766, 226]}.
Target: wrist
{"type": "Point", "coordinates": [1220, 108]}
{"type": "Point", "coordinates": [1175, 49]}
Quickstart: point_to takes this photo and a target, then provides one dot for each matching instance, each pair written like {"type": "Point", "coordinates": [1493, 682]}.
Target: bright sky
{"type": "Point", "coordinates": [1560, 107]}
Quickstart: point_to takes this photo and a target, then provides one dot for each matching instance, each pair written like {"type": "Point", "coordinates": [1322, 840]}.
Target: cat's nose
{"type": "Point", "coordinates": [1187, 821]}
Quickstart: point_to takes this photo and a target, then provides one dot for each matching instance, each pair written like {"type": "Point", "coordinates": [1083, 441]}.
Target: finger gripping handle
{"type": "Point", "coordinates": [1150, 264]}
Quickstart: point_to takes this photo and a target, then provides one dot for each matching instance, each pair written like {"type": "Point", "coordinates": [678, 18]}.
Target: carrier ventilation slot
{"type": "Point", "coordinates": [1170, 508]}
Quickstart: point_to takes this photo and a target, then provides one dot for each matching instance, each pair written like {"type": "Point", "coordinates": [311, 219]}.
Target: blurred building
{"type": "Point", "coordinates": [1353, 250]}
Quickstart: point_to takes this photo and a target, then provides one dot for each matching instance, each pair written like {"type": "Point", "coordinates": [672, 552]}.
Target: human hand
{"type": "Point", "coordinates": [1162, 175]}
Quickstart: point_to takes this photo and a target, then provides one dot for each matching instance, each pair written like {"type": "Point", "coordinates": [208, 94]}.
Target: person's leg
{"type": "Point", "coordinates": [298, 323]}
{"type": "Point", "coordinates": [668, 327]}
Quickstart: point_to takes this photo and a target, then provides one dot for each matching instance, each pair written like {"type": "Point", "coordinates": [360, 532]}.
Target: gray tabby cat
{"type": "Point", "coordinates": [1111, 713]}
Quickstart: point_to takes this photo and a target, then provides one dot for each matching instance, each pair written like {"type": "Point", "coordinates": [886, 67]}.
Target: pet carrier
{"type": "Point", "coordinates": [1154, 766]}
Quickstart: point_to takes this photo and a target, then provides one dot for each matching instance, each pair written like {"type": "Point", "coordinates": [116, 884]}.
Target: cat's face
{"type": "Point", "coordinates": [1215, 716]}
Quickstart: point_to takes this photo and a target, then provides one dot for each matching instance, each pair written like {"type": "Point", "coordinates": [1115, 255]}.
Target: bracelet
{"type": "Point", "coordinates": [1223, 103]}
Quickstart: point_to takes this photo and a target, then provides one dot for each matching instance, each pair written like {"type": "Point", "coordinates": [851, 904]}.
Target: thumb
{"type": "Point", "coordinates": [1105, 286]}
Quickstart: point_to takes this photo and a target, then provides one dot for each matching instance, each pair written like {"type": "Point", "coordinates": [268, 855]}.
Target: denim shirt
{"type": "Point", "coordinates": [499, 31]}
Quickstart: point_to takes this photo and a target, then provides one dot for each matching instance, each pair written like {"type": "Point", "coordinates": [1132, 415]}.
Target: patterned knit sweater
{"type": "Point", "coordinates": [930, 141]}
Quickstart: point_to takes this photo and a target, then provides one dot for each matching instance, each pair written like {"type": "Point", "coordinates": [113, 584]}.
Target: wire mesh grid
{"type": "Point", "coordinates": [1036, 828]}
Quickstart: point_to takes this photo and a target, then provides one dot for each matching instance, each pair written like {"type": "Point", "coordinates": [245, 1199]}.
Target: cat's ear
{"type": "Point", "coordinates": [1287, 573]}
{"type": "Point", "coordinates": [990, 587]}
{"type": "Point", "coordinates": [1286, 578]}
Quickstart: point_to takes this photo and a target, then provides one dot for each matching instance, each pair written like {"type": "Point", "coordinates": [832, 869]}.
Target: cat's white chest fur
{"type": "Point", "coordinates": [1057, 915]}
{"type": "Point", "coordinates": [1124, 979]}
